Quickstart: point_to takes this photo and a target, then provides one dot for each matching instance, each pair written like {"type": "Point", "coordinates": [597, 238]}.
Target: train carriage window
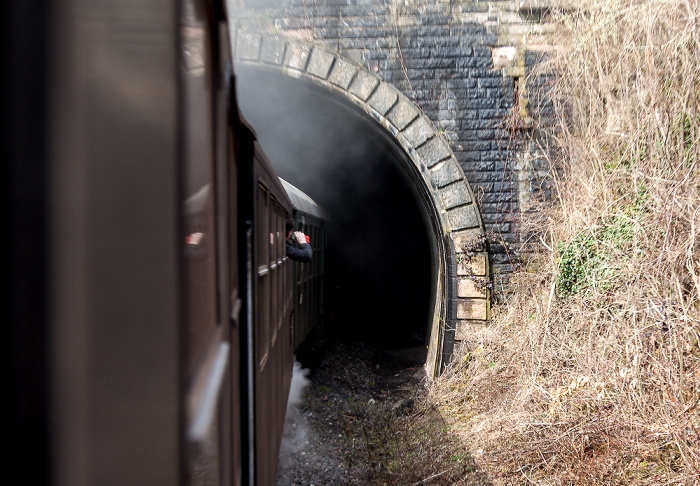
{"type": "Point", "coordinates": [281, 249]}
{"type": "Point", "coordinates": [263, 290]}
{"type": "Point", "coordinates": [287, 276]}
{"type": "Point", "coordinates": [272, 258]}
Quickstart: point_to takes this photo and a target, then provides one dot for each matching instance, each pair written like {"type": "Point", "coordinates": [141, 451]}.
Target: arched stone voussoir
{"type": "Point", "coordinates": [453, 202]}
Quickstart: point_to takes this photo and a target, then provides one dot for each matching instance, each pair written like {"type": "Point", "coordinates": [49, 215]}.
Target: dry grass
{"type": "Point", "coordinates": [590, 374]}
{"type": "Point", "coordinates": [413, 447]}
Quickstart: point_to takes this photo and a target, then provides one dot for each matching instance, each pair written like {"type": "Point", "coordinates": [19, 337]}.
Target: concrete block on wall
{"type": "Point", "coordinates": [464, 328]}
{"type": "Point", "coordinates": [467, 287]}
{"type": "Point", "coordinates": [472, 309]}
{"type": "Point", "coordinates": [462, 238]}
{"type": "Point", "coordinates": [476, 265]}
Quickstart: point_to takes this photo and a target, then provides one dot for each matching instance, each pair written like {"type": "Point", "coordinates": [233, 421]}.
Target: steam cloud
{"type": "Point", "coordinates": [323, 146]}
{"type": "Point", "coordinates": [295, 427]}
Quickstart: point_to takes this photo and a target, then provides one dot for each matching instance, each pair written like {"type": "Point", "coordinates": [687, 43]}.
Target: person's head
{"type": "Point", "coordinates": [289, 225]}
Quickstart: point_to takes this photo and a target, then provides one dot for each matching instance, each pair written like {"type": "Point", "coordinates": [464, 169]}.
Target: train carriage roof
{"type": "Point", "coordinates": [302, 202]}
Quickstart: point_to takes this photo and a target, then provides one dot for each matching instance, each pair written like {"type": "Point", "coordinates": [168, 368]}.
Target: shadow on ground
{"type": "Point", "coordinates": [362, 418]}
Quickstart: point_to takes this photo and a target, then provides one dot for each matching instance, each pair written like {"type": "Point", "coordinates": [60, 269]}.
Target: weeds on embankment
{"type": "Point", "coordinates": [590, 373]}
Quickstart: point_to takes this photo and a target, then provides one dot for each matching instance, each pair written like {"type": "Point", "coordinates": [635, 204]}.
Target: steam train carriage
{"type": "Point", "coordinates": [312, 281]}
{"type": "Point", "coordinates": [150, 300]}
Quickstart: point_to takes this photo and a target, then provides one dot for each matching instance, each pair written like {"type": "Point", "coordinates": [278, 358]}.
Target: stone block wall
{"type": "Point", "coordinates": [464, 64]}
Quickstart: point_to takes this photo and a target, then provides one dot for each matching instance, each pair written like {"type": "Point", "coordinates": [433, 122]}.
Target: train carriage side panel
{"type": "Point", "coordinates": [113, 303]}
{"type": "Point", "coordinates": [274, 361]}
{"type": "Point", "coordinates": [211, 341]}
{"type": "Point", "coordinates": [270, 361]}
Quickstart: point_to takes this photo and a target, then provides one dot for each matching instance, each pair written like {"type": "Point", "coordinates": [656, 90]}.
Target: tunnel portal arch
{"type": "Point", "coordinates": [435, 174]}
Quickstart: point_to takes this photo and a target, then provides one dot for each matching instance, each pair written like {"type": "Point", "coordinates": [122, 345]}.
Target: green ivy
{"type": "Point", "coordinates": [587, 260]}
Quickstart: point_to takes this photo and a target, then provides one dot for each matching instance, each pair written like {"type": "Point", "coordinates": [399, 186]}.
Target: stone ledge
{"type": "Point", "coordinates": [473, 309]}
{"type": "Point", "coordinates": [465, 328]}
{"type": "Point", "coordinates": [476, 266]}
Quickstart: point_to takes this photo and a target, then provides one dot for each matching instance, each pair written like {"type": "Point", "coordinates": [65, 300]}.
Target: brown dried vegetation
{"type": "Point", "coordinates": [590, 373]}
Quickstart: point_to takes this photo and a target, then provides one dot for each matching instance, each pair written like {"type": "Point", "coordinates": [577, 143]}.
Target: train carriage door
{"type": "Point", "coordinates": [208, 444]}
{"type": "Point", "coordinates": [262, 311]}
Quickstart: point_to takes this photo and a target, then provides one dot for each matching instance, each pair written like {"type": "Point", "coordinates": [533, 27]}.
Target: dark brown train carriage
{"type": "Point", "coordinates": [269, 279]}
{"type": "Point", "coordinates": [149, 297]}
{"type": "Point", "coordinates": [312, 284]}
{"type": "Point", "coordinates": [212, 333]}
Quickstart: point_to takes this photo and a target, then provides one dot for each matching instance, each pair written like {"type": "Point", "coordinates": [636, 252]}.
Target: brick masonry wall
{"type": "Point", "coordinates": [464, 64]}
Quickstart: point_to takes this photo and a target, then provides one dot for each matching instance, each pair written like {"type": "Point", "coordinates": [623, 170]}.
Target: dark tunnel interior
{"type": "Point", "coordinates": [325, 147]}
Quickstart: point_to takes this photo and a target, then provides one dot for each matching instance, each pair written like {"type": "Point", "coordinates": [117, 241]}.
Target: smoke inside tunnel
{"type": "Point", "coordinates": [382, 276]}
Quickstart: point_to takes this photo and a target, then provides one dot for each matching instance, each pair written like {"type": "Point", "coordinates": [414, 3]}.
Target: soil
{"type": "Point", "coordinates": [334, 391]}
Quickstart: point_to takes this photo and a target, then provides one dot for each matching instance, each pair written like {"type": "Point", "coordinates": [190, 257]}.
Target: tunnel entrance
{"type": "Point", "coordinates": [384, 266]}
{"type": "Point", "coordinates": [397, 128]}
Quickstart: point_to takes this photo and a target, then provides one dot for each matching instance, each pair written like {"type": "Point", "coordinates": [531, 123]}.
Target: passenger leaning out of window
{"type": "Point", "coordinates": [303, 253]}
